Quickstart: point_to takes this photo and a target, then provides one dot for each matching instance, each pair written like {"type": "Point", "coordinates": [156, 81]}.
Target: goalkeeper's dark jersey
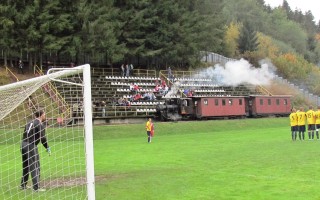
{"type": "Point", "coordinates": [34, 132]}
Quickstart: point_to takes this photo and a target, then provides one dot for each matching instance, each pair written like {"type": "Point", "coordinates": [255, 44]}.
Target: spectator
{"type": "Point", "coordinates": [96, 107]}
{"type": "Point", "coordinates": [136, 88]}
{"type": "Point", "coordinates": [30, 102]}
{"type": "Point", "coordinates": [131, 87]}
{"type": "Point", "coordinates": [163, 83]}
{"type": "Point", "coordinates": [186, 92]}
{"type": "Point", "coordinates": [127, 70]}
{"type": "Point", "coordinates": [103, 107]}
{"type": "Point", "coordinates": [137, 97]}
{"type": "Point", "coordinates": [121, 101]}
{"type": "Point", "coordinates": [21, 67]}
{"type": "Point", "coordinates": [152, 96]}
{"type": "Point", "coordinates": [122, 70]}
{"type": "Point", "coordinates": [157, 88]}
{"type": "Point", "coordinates": [145, 96]}
{"type": "Point", "coordinates": [114, 100]}
{"type": "Point", "coordinates": [169, 73]}
{"type": "Point", "coordinates": [126, 102]}
{"type": "Point", "coordinates": [166, 89]}
{"type": "Point", "coordinates": [131, 69]}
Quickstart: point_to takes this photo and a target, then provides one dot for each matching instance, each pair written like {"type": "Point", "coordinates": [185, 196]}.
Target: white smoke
{"type": "Point", "coordinates": [240, 72]}
{"type": "Point", "coordinates": [174, 90]}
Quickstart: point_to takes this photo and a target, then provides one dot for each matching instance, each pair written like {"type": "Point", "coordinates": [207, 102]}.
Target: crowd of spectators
{"type": "Point", "coordinates": [126, 70]}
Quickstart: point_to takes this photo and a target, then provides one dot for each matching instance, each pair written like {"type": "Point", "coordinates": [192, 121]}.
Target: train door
{"type": "Point", "coordinates": [249, 106]}
{"type": "Point", "coordinates": [186, 107]}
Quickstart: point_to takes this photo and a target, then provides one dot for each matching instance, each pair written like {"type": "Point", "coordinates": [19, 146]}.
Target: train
{"type": "Point", "coordinates": [223, 107]}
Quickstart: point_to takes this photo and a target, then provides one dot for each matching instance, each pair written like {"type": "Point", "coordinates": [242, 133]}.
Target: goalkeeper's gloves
{"type": "Point", "coordinates": [49, 151]}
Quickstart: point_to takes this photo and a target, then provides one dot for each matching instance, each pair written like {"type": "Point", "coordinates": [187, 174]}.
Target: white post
{"type": "Point", "coordinates": [88, 132]}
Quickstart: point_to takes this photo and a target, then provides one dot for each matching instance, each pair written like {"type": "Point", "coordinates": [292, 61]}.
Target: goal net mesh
{"type": "Point", "coordinates": [63, 173]}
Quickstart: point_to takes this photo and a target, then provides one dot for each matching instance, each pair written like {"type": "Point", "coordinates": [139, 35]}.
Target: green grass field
{"type": "Point", "coordinates": [218, 159]}
{"type": "Point", "coordinates": [229, 159]}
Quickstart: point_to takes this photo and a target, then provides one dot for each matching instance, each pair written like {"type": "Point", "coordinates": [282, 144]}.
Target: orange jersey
{"type": "Point", "coordinates": [317, 116]}
{"type": "Point", "coordinates": [301, 118]}
{"type": "Point", "coordinates": [293, 119]}
{"type": "Point", "coordinates": [310, 117]}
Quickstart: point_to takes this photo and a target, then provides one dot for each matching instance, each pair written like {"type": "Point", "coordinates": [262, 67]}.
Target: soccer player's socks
{"type": "Point", "coordinates": [299, 135]}
{"type": "Point", "coordinates": [309, 135]}
{"type": "Point", "coordinates": [312, 134]}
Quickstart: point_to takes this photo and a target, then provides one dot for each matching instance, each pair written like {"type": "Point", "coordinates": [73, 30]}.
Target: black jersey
{"type": "Point", "coordinates": [34, 132]}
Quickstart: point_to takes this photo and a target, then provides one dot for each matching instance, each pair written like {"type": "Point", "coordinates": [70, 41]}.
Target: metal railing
{"type": "Point", "coordinates": [13, 76]}
{"type": "Point", "coordinates": [118, 72]}
{"type": "Point", "coordinates": [31, 105]}
{"type": "Point", "coordinates": [54, 94]}
{"type": "Point", "coordinates": [211, 57]}
{"type": "Point", "coordinates": [263, 90]}
{"type": "Point", "coordinates": [303, 92]}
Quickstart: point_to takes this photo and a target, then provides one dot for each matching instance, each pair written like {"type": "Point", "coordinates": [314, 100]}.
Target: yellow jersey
{"type": "Point", "coordinates": [310, 117]}
{"type": "Point", "coordinates": [301, 118]}
{"type": "Point", "coordinates": [148, 126]}
{"type": "Point", "coordinates": [317, 116]}
{"type": "Point", "coordinates": [293, 119]}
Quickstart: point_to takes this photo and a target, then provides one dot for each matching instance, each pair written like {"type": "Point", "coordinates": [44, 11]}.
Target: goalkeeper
{"type": "Point", "coordinates": [34, 132]}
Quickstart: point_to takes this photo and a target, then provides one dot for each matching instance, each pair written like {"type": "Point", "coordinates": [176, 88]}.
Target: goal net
{"type": "Point", "coordinates": [67, 172]}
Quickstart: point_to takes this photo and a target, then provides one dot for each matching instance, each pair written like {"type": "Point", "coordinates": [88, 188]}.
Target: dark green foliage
{"type": "Point", "coordinates": [152, 33]}
{"type": "Point", "coordinates": [248, 39]}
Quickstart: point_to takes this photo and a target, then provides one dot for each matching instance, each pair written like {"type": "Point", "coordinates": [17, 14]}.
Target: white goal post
{"type": "Point", "coordinates": [64, 94]}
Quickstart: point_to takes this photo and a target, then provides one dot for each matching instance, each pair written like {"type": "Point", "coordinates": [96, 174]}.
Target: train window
{"type": "Point", "coordinates": [269, 101]}
{"type": "Point", "coordinates": [278, 101]}
{"type": "Point", "coordinates": [285, 102]}
{"type": "Point", "coordinates": [223, 102]}
{"type": "Point", "coordinates": [230, 102]}
{"type": "Point", "coordinates": [185, 102]}
{"type": "Point", "coordinates": [261, 101]}
{"type": "Point", "coordinates": [205, 102]}
{"type": "Point", "coordinates": [216, 102]}
{"type": "Point", "coordinates": [240, 102]}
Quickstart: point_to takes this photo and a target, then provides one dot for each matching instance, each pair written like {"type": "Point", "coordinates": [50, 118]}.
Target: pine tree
{"type": "Point", "coordinates": [248, 40]}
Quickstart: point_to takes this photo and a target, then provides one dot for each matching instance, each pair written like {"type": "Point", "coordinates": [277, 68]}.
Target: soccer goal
{"type": "Point", "coordinates": [64, 94]}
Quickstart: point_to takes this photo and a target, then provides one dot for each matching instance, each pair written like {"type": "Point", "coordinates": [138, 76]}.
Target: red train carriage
{"type": "Point", "coordinates": [215, 107]}
{"type": "Point", "coordinates": [223, 107]}
{"type": "Point", "coordinates": [277, 105]}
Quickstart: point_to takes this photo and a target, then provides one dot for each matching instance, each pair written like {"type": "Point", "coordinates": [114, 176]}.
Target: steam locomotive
{"type": "Point", "coordinates": [225, 107]}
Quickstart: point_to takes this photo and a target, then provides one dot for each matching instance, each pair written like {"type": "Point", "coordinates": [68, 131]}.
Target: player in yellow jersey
{"type": "Point", "coordinates": [301, 123]}
{"type": "Point", "coordinates": [317, 116]}
{"type": "Point", "coordinates": [311, 122]}
{"type": "Point", "coordinates": [294, 124]}
{"type": "Point", "coordinates": [149, 127]}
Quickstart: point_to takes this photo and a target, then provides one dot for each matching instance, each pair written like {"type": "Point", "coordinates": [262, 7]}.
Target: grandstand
{"type": "Point", "coordinates": [109, 90]}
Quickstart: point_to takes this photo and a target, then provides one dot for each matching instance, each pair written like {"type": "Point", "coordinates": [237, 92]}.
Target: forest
{"type": "Point", "coordinates": [159, 33]}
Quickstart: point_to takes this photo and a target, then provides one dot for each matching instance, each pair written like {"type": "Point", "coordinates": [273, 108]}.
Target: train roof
{"type": "Point", "coordinates": [270, 96]}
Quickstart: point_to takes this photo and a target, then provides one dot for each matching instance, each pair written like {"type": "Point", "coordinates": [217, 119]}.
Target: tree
{"type": "Point", "coordinates": [99, 33]}
{"type": "Point", "coordinates": [231, 39]}
{"type": "Point", "coordinates": [248, 40]}
{"type": "Point", "coordinates": [7, 12]}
